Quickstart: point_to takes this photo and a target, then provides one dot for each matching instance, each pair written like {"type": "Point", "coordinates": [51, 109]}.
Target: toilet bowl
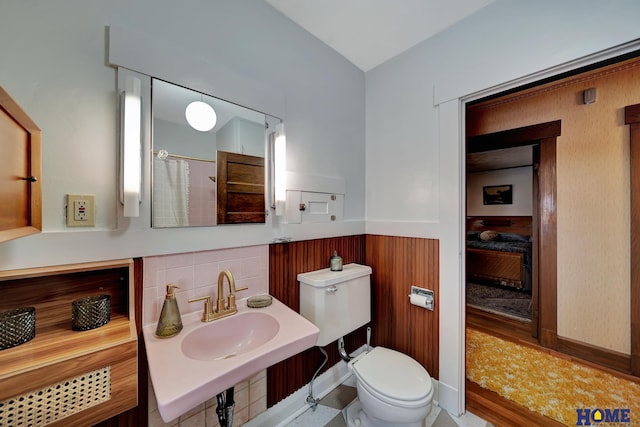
{"type": "Point", "coordinates": [393, 390]}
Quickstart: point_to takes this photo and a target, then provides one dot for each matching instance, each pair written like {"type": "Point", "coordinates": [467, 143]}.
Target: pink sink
{"type": "Point", "coordinates": [240, 333]}
{"type": "Point", "coordinates": [207, 358]}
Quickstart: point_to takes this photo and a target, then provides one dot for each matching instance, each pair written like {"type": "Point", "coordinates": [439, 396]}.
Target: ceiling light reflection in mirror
{"type": "Point", "coordinates": [184, 189]}
{"type": "Point", "coordinates": [201, 116]}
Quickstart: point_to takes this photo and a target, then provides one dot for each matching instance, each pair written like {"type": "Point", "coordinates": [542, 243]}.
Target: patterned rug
{"type": "Point", "coordinates": [554, 387]}
{"type": "Point", "coordinates": [499, 300]}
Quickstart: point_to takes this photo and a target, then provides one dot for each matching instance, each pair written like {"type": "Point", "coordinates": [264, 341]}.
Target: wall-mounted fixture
{"type": "Point", "coordinates": [131, 148]}
{"type": "Point", "coordinates": [201, 116]}
{"type": "Point", "coordinates": [589, 96]}
{"type": "Point", "coordinates": [280, 175]}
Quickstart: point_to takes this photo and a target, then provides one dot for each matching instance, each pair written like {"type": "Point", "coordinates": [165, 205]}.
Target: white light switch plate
{"type": "Point", "coordinates": [81, 210]}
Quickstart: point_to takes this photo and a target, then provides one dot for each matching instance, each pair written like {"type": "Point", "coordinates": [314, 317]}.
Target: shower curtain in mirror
{"type": "Point", "coordinates": [170, 193]}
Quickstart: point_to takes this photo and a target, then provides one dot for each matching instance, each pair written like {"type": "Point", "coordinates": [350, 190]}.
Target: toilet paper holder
{"type": "Point", "coordinates": [421, 297]}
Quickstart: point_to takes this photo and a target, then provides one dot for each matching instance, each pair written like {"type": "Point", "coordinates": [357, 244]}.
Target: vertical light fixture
{"type": "Point", "coordinates": [131, 148]}
{"type": "Point", "coordinates": [280, 175]}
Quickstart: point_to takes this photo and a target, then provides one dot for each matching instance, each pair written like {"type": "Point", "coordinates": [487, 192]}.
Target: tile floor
{"type": "Point", "coordinates": [328, 413]}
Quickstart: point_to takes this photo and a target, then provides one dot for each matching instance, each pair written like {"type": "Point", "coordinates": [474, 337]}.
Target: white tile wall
{"type": "Point", "coordinates": [196, 274]}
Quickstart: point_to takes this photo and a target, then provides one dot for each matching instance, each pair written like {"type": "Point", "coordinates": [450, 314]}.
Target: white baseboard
{"type": "Point", "coordinates": [448, 399]}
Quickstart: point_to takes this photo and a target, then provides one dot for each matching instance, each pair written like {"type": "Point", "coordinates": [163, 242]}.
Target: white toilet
{"type": "Point", "coordinates": [393, 388]}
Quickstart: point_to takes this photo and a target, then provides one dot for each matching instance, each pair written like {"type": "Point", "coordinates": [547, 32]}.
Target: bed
{"type": "Point", "coordinates": [502, 255]}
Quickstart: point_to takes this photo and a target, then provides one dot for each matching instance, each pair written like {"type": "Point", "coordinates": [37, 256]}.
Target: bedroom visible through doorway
{"type": "Point", "coordinates": [499, 231]}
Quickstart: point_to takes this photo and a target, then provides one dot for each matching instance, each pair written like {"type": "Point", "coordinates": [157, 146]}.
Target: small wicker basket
{"type": "Point", "coordinates": [90, 312]}
{"type": "Point", "coordinates": [17, 326]}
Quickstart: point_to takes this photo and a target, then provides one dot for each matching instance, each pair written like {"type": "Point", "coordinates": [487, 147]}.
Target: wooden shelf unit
{"type": "Point", "coordinates": [57, 352]}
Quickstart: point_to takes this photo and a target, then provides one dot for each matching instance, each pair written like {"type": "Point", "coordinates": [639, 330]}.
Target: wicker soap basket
{"type": "Point", "coordinates": [17, 326]}
{"type": "Point", "coordinates": [90, 312]}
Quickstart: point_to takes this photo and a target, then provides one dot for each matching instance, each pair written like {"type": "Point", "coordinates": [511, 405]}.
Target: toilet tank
{"type": "Point", "coordinates": [337, 302]}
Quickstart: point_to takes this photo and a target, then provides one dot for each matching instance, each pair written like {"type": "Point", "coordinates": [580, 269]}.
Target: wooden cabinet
{"type": "Point", "coordinates": [20, 188]}
{"type": "Point", "coordinates": [78, 378]}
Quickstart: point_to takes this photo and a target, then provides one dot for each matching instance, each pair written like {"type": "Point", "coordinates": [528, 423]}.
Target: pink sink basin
{"type": "Point", "coordinates": [241, 333]}
{"type": "Point", "coordinates": [205, 359]}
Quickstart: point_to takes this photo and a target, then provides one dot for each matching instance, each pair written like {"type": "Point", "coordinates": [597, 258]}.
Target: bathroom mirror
{"type": "Point", "coordinates": [215, 175]}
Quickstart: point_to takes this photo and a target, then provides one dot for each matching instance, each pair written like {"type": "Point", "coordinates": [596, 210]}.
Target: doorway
{"type": "Point", "coordinates": [528, 267]}
{"type": "Point", "coordinates": [588, 144]}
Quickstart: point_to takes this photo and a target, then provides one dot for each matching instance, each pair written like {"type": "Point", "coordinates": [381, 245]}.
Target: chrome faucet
{"type": "Point", "coordinates": [222, 309]}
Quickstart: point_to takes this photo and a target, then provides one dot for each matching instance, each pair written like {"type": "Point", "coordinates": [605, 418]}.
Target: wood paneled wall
{"type": "Point", "coordinates": [397, 263]}
{"type": "Point", "coordinates": [286, 260]}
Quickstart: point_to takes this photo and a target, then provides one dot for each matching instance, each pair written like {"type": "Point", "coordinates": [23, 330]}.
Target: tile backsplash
{"type": "Point", "coordinates": [196, 275]}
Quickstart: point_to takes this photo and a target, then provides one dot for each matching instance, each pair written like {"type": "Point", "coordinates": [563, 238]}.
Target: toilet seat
{"type": "Point", "coordinates": [393, 378]}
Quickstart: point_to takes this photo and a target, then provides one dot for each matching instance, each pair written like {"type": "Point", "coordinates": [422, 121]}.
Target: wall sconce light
{"type": "Point", "coordinates": [131, 148]}
{"type": "Point", "coordinates": [280, 164]}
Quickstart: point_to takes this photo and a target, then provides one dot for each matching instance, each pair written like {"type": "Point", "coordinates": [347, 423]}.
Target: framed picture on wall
{"type": "Point", "coordinates": [497, 195]}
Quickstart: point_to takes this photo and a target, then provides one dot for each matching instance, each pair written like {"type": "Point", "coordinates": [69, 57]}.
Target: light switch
{"type": "Point", "coordinates": [81, 211]}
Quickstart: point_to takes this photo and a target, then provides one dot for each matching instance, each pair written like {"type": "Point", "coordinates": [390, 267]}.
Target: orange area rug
{"type": "Point", "coordinates": [548, 385]}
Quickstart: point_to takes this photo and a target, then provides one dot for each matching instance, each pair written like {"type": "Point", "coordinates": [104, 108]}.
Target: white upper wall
{"type": "Point", "coordinates": [54, 64]}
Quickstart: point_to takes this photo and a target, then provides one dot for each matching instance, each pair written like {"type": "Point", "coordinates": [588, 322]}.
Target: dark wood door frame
{"type": "Point", "coordinates": [543, 136]}
{"type": "Point", "coordinates": [632, 118]}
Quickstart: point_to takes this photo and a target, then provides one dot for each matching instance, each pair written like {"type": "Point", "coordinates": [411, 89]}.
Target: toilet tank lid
{"type": "Point", "coordinates": [326, 277]}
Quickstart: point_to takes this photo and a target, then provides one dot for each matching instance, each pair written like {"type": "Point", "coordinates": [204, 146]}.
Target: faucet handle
{"type": "Point", "coordinates": [231, 299]}
{"type": "Point", "coordinates": [206, 297]}
{"type": "Point", "coordinates": [208, 307]}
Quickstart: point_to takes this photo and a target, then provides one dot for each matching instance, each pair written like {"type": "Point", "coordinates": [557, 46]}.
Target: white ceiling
{"type": "Point", "coordinates": [369, 32]}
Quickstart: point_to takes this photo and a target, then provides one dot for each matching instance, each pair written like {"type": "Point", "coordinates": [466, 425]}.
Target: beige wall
{"type": "Point", "coordinates": [593, 195]}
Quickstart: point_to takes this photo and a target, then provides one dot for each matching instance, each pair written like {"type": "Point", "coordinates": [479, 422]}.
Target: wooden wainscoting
{"type": "Point", "coordinates": [286, 260]}
{"type": "Point", "coordinates": [398, 263]}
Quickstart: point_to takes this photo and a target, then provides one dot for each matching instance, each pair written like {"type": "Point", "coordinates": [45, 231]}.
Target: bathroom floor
{"type": "Point", "coordinates": [328, 413]}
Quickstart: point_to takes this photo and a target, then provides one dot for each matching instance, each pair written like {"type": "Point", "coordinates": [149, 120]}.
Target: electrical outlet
{"type": "Point", "coordinates": [81, 210]}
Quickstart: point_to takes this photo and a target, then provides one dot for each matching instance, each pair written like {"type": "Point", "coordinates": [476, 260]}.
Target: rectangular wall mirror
{"type": "Point", "coordinates": [205, 177]}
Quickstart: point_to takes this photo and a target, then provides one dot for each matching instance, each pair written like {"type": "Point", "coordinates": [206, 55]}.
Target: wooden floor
{"type": "Point", "coordinates": [488, 404]}
{"type": "Point", "coordinates": [518, 331]}
{"type": "Point", "coordinates": [495, 408]}
{"type": "Point", "coordinates": [502, 412]}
